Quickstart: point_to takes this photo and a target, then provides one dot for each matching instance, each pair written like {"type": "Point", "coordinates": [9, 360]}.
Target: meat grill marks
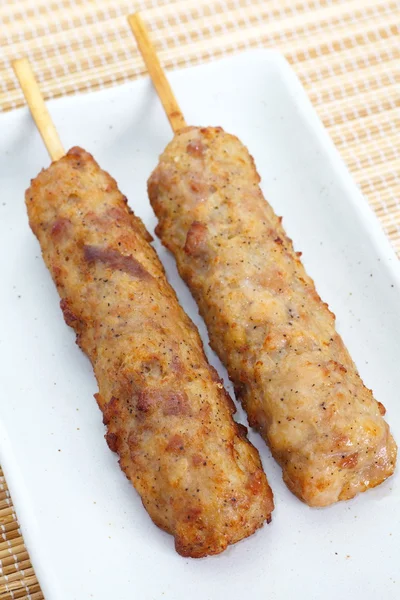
{"type": "Point", "coordinates": [166, 411]}
{"type": "Point", "coordinates": [266, 321]}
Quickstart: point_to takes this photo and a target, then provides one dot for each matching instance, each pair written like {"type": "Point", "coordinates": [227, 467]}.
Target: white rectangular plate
{"type": "Point", "coordinates": [85, 527]}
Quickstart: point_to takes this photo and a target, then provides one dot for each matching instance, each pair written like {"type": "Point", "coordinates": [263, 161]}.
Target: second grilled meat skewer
{"type": "Point", "coordinates": [266, 322]}
{"type": "Point", "coordinates": [167, 414]}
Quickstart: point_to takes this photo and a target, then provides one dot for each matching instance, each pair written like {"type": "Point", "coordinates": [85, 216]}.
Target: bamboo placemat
{"type": "Point", "coordinates": [346, 53]}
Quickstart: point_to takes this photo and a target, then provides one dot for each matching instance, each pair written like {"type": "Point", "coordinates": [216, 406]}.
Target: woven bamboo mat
{"type": "Point", "coordinates": [346, 53]}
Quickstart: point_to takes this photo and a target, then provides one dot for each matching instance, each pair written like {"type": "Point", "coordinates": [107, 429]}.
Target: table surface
{"type": "Point", "coordinates": [345, 52]}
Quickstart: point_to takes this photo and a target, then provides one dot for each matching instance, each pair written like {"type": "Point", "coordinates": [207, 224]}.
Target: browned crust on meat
{"type": "Point", "coordinates": [266, 321]}
{"type": "Point", "coordinates": [167, 415]}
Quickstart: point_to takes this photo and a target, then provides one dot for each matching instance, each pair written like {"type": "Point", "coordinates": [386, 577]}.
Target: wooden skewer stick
{"type": "Point", "coordinates": [160, 82]}
{"type": "Point", "coordinates": [30, 87]}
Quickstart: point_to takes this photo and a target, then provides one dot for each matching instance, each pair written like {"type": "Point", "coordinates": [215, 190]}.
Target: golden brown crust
{"type": "Point", "coordinates": [266, 321]}
{"type": "Point", "coordinates": [167, 413]}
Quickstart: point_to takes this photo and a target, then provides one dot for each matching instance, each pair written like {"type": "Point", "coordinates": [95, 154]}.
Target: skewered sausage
{"type": "Point", "coordinates": [166, 411]}
{"type": "Point", "coordinates": [266, 321]}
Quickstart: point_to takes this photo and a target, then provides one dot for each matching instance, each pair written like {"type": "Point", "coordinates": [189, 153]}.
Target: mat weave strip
{"type": "Point", "coordinates": [346, 53]}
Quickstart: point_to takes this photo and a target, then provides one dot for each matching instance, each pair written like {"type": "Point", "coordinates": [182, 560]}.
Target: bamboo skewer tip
{"type": "Point", "coordinates": [30, 87]}
{"type": "Point", "coordinates": [156, 72]}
